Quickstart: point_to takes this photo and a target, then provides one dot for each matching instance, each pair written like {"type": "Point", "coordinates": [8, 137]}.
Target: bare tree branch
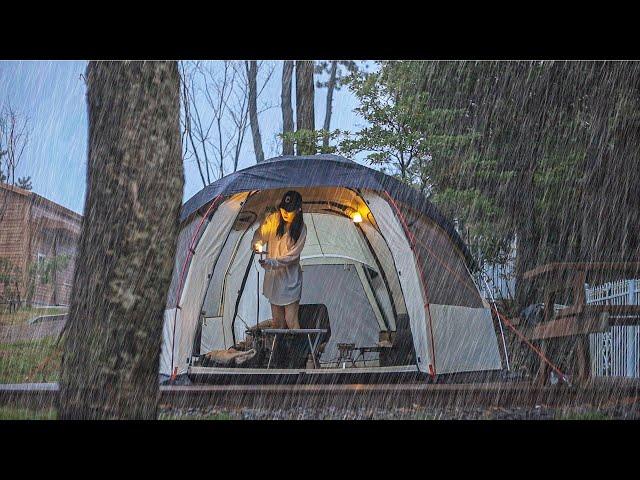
{"type": "Point", "coordinates": [14, 138]}
{"type": "Point", "coordinates": [216, 114]}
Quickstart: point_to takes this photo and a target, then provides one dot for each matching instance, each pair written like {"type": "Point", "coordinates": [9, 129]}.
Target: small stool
{"type": "Point", "coordinates": [345, 353]}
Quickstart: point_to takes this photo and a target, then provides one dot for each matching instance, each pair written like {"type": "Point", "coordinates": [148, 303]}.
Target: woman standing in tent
{"type": "Point", "coordinates": [284, 232]}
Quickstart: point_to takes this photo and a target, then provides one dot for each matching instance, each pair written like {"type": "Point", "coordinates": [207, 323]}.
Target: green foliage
{"type": "Point", "coordinates": [312, 140]}
{"type": "Point", "coordinates": [429, 143]}
{"type": "Point", "coordinates": [45, 269]}
{"type": "Point", "coordinates": [519, 174]}
{"type": "Point", "coordinates": [344, 69]}
{"type": "Point", "coordinates": [11, 413]}
{"type": "Point", "coordinates": [480, 221]}
{"type": "Point", "coordinates": [404, 133]}
{"type": "Point", "coordinates": [582, 415]}
{"type": "Point", "coordinates": [31, 361]}
{"type": "Point", "coordinates": [505, 149]}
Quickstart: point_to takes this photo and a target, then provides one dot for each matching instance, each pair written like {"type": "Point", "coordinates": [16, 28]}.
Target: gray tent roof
{"type": "Point", "coordinates": [290, 171]}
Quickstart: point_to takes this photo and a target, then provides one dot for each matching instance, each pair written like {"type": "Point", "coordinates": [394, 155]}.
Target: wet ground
{"type": "Point", "coordinates": [628, 412]}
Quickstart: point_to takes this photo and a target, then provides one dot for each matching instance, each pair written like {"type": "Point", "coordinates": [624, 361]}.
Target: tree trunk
{"type": "Point", "coordinates": [525, 226]}
{"type": "Point", "coordinates": [304, 104]}
{"type": "Point", "coordinates": [287, 110]}
{"type": "Point", "coordinates": [252, 75]}
{"type": "Point", "coordinates": [127, 244]}
{"type": "Point", "coordinates": [525, 260]}
{"type": "Point", "coordinates": [331, 85]}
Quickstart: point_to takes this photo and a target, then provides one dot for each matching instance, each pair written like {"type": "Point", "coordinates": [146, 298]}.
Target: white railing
{"type": "Point", "coordinates": [499, 283]}
{"type": "Point", "coordinates": [622, 292]}
{"type": "Point", "coordinates": [616, 352]}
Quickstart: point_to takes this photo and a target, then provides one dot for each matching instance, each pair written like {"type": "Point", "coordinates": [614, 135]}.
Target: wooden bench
{"type": "Point", "coordinates": [571, 326]}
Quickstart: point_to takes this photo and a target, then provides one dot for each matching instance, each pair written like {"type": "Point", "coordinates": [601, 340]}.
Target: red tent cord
{"type": "Point", "coordinates": [190, 253]}
{"type": "Point", "coordinates": [536, 350]}
{"type": "Point", "coordinates": [412, 243]}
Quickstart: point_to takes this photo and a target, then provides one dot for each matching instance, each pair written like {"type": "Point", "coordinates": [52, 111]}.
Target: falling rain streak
{"type": "Point", "coordinates": [471, 239]}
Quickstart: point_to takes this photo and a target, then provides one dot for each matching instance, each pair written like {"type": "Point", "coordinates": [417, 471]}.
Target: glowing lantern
{"type": "Point", "coordinates": [260, 249]}
{"type": "Point", "coordinates": [357, 218]}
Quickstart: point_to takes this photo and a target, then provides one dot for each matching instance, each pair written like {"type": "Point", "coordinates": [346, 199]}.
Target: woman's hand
{"type": "Point", "coordinates": [268, 263]}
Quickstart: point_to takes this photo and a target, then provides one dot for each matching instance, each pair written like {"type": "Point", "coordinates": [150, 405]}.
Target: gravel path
{"type": "Point", "coordinates": [415, 413]}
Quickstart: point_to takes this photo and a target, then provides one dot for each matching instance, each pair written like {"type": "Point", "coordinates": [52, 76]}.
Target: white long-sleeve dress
{"type": "Point", "coordinates": [282, 283]}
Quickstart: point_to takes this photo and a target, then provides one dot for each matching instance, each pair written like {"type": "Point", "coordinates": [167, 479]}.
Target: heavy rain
{"type": "Point", "coordinates": [328, 239]}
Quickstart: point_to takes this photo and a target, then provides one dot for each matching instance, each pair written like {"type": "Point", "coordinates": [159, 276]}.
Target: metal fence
{"type": "Point", "coordinates": [616, 352]}
{"type": "Point", "coordinates": [496, 281]}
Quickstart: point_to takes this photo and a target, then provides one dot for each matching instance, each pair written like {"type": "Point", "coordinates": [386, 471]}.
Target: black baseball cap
{"type": "Point", "coordinates": [291, 201]}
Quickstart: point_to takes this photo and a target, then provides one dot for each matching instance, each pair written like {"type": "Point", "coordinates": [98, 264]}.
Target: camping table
{"type": "Point", "coordinates": [296, 331]}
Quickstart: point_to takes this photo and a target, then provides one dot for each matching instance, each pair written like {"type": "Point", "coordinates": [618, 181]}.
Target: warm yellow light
{"type": "Point", "coordinates": [259, 247]}
{"type": "Point", "coordinates": [357, 218]}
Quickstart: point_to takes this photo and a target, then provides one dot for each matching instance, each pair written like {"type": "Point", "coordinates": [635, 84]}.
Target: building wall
{"type": "Point", "coordinates": [14, 210]}
{"type": "Point", "coordinates": [35, 229]}
{"type": "Point", "coordinates": [48, 245]}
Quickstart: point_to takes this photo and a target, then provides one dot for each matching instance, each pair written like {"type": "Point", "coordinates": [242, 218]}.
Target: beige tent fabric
{"type": "Point", "coordinates": [463, 335]}
{"type": "Point", "coordinates": [182, 248]}
{"type": "Point", "coordinates": [404, 260]}
{"type": "Point", "coordinates": [195, 286]}
{"type": "Point", "coordinates": [465, 339]}
{"type": "Point", "coordinates": [379, 245]}
{"type": "Point", "coordinates": [444, 265]}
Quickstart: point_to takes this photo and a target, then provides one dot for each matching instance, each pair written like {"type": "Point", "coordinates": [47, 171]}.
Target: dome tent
{"type": "Point", "coordinates": [404, 263]}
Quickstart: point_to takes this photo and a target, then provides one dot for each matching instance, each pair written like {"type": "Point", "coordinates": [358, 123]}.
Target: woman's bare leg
{"type": "Point", "coordinates": [291, 315]}
{"type": "Point", "coordinates": [278, 316]}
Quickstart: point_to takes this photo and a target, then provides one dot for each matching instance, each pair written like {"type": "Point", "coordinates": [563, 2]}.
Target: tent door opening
{"type": "Point", "coordinates": [348, 273]}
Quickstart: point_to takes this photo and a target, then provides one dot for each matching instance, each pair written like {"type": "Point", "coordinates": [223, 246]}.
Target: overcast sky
{"type": "Point", "coordinates": [52, 95]}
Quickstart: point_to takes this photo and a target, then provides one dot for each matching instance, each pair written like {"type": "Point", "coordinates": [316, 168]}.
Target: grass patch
{"type": "Point", "coordinates": [9, 413]}
{"type": "Point", "coordinates": [13, 413]}
{"type": "Point", "coordinates": [30, 361]}
{"type": "Point", "coordinates": [591, 415]}
{"type": "Point", "coordinates": [23, 315]}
